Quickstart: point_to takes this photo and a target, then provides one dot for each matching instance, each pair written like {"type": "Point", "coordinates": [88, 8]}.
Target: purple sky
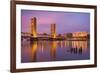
{"type": "Point", "coordinates": [66, 22]}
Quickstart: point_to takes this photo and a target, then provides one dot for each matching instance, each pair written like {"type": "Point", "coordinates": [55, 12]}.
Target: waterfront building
{"type": "Point", "coordinates": [80, 34]}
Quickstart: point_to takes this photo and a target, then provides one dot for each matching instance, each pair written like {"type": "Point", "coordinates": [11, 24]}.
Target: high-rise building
{"type": "Point", "coordinates": [34, 27]}
{"type": "Point", "coordinates": [53, 30]}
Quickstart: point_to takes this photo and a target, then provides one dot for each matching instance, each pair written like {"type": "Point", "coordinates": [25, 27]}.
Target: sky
{"type": "Point", "coordinates": [66, 22]}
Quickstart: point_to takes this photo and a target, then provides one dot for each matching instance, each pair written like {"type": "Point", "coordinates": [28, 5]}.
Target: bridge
{"type": "Point", "coordinates": [26, 35]}
{"type": "Point", "coordinates": [34, 35]}
{"type": "Point", "coordinates": [29, 36]}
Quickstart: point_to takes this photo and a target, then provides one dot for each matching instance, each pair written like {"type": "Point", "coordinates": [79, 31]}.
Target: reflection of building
{"type": "Point", "coordinates": [34, 27]}
{"type": "Point", "coordinates": [53, 30]}
{"type": "Point", "coordinates": [79, 44]}
{"type": "Point", "coordinates": [34, 50]}
{"type": "Point", "coordinates": [53, 49]}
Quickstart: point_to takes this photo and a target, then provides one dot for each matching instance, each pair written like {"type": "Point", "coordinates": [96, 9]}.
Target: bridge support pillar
{"type": "Point", "coordinates": [53, 30]}
{"type": "Point", "coordinates": [34, 27]}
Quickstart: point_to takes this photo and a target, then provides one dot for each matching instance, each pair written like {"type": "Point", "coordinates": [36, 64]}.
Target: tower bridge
{"type": "Point", "coordinates": [34, 35]}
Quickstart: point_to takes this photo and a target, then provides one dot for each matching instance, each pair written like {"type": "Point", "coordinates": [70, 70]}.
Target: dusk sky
{"type": "Point", "coordinates": [66, 22]}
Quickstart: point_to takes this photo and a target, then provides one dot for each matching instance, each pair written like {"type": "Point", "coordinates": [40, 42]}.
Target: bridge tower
{"type": "Point", "coordinates": [34, 26]}
{"type": "Point", "coordinates": [53, 30]}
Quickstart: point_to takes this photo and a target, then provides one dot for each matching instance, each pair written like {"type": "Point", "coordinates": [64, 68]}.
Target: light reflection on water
{"type": "Point", "coordinates": [41, 51]}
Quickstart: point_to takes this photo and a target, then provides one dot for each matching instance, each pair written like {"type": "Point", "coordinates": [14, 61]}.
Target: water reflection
{"type": "Point", "coordinates": [53, 49]}
{"type": "Point", "coordinates": [41, 51]}
{"type": "Point", "coordinates": [34, 49]}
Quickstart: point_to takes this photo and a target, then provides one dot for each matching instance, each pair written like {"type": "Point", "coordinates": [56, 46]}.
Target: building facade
{"type": "Point", "coordinates": [80, 34]}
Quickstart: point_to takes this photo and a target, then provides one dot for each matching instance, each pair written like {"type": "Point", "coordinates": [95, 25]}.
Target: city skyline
{"type": "Point", "coordinates": [54, 36]}
{"type": "Point", "coordinates": [65, 21]}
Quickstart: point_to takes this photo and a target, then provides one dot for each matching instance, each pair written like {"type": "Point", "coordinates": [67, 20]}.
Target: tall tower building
{"type": "Point", "coordinates": [34, 27]}
{"type": "Point", "coordinates": [53, 30]}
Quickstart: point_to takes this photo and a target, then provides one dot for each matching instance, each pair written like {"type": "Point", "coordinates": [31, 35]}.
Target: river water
{"type": "Point", "coordinates": [43, 51]}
